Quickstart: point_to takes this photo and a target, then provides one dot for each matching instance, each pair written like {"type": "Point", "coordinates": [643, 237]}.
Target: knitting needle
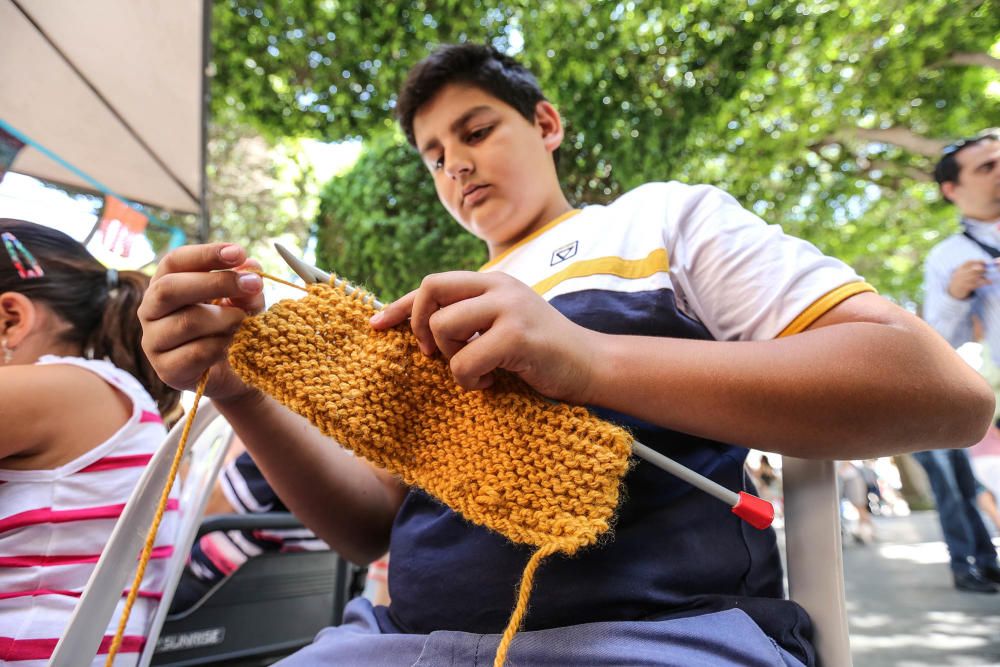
{"type": "Point", "coordinates": [311, 274]}
{"type": "Point", "coordinates": [755, 511]}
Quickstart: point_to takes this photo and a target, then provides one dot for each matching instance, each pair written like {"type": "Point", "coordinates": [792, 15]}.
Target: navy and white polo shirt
{"type": "Point", "coordinates": [670, 260]}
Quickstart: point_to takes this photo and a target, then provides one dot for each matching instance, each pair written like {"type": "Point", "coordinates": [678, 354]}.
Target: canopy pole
{"type": "Point", "coordinates": [205, 224]}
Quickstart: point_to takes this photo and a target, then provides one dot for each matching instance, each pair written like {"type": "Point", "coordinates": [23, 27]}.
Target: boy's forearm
{"type": "Point", "coordinates": [853, 390]}
{"type": "Point", "coordinates": [343, 499]}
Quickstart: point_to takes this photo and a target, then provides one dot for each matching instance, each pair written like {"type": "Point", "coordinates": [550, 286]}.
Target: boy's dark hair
{"type": "Point", "coordinates": [947, 168]}
{"type": "Point", "coordinates": [99, 306]}
{"type": "Point", "coordinates": [473, 64]}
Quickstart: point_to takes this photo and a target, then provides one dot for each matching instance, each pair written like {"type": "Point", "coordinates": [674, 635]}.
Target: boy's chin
{"type": "Point", "coordinates": [495, 231]}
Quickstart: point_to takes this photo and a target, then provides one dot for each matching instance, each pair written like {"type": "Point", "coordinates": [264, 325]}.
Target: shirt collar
{"type": "Point", "coordinates": [978, 224]}
{"type": "Point", "coordinates": [987, 231]}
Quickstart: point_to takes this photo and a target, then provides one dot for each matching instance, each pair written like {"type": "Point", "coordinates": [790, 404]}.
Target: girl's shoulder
{"type": "Point", "coordinates": [53, 379]}
{"type": "Point", "coordinates": [115, 378]}
{"type": "Point", "coordinates": [50, 404]}
{"type": "Point", "coordinates": [35, 387]}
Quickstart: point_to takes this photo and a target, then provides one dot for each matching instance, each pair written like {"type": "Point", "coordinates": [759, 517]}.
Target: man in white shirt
{"type": "Point", "coordinates": [961, 283]}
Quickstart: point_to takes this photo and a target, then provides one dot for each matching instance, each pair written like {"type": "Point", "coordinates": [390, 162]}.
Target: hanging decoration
{"type": "Point", "coordinates": [119, 226]}
{"type": "Point", "coordinates": [10, 146]}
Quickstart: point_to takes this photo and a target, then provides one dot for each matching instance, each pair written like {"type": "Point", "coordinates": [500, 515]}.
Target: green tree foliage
{"type": "Point", "coordinates": [823, 116]}
{"type": "Point", "coordinates": [381, 224]}
{"type": "Point", "coordinates": [258, 189]}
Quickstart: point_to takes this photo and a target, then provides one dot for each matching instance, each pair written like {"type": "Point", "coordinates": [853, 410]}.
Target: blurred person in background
{"type": "Point", "coordinates": [854, 489]}
{"type": "Point", "coordinates": [960, 282]}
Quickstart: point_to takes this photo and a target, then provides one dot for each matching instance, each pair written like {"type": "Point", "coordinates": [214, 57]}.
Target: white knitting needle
{"type": "Point", "coordinates": [755, 511]}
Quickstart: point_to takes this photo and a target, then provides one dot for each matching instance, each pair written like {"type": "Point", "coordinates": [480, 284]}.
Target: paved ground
{"type": "Point", "coordinates": [902, 607]}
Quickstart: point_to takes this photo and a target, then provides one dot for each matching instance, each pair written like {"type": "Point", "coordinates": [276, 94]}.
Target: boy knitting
{"type": "Point", "coordinates": [671, 311]}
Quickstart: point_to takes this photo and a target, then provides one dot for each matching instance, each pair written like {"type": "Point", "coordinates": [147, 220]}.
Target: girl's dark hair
{"type": "Point", "coordinates": [473, 64]}
{"type": "Point", "coordinates": [100, 311]}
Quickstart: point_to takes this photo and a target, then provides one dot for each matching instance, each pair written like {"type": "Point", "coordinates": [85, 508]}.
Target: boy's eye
{"type": "Point", "coordinates": [477, 135]}
{"type": "Point", "coordinates": [437, 164]}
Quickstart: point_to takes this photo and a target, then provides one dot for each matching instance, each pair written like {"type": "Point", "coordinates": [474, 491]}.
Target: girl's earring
{"type": "Point", "coordinates": [8, 354]}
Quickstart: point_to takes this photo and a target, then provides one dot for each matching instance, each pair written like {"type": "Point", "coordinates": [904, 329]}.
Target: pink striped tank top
{"type": "Point", "coordinates": [54, 524]}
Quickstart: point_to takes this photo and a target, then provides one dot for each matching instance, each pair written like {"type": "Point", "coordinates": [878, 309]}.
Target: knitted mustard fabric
{"type": "Point", "coordinates": [537, 472]}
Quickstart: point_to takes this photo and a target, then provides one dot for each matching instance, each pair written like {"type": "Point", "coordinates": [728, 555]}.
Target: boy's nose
{"type": "Point", "coordinates": [457, 165]}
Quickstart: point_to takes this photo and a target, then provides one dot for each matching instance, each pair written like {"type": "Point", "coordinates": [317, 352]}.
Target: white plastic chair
{"type": "Point", "coordinates": [207, 444]}
{"type": "Point", "coordinates": [814, 560]}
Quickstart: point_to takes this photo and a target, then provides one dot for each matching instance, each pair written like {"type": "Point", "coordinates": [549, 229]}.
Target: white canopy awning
{"type": "Point", "coordinates": [111, 87]}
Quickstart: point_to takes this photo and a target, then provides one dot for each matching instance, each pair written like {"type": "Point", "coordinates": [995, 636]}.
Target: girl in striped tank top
{"type": "Point", "coordinates": [80, 417]}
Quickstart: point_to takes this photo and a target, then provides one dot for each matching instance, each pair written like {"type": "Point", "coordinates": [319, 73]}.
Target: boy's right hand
{"type": "Point", "coordinates": [184, 331]}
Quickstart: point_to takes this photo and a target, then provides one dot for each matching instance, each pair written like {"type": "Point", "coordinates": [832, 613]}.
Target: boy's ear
{"type": "Point", "coordinates": [948, 189]}
{"type": "Point", "coordinates": [17, 317]}
{"type": "Point", "coordinates": [547, 118]}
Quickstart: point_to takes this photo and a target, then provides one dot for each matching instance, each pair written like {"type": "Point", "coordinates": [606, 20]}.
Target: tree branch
{"type": "Point", "coordinates": [897, 136]}
{"type": "Point", "coordinates": [975, 59]}
{"type": "Point", "coordinates": [888, 166]}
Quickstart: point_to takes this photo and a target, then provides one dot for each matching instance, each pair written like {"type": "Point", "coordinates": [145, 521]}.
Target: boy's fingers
{"type": "Point", "coordinates": [208, 257]}
{"type": "Point", "coordinates": [474, 364]}
{"type": "Point", "coordinates": [250, 303]}
{"type": "Point", "coordinates": [190, 324]}
{"type": "Point", "coordinates": [394, 313]}
{"type": "Point", "coordinates": [453, 326]}
{"type": "Point", "coordinates": [250, 306]}
{"type": "Point", "coordinates": [191, 360]}
{"type": "Point", "coordinates": [250, 265]}
{"type": "Point", "coordinates": [445, 289]}
{"type": "Point", "coordinates": [177, 290]}
{"type": "Point", "coordinates": [436, 292]}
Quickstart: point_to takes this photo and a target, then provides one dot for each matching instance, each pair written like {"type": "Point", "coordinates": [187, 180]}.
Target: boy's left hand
{"type": "Point", "coordinates": [485, 321]}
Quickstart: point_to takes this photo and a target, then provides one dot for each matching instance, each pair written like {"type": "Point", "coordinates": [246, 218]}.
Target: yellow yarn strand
{"type": "Point", "coordinates": [523, 595]}
{"type": "Point", "coordinates": [147, 550]}
{"type": "Point", "coordinates": [280, 280]}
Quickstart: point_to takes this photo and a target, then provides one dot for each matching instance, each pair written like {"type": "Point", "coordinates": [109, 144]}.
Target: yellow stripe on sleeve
{"type": "Point", "coordinates": [822, 305]}
{"type": "Point", "coordinates": [654, 262]}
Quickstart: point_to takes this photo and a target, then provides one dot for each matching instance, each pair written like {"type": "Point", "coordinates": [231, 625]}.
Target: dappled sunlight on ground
{"type": "Point", "coordinates": [902, 608]}
{"type": "Point", "coordinates": [924, 553]}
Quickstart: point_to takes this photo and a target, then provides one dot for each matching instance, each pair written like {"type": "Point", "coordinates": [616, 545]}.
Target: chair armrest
{"type": "Point", "coordinates": [262, 521]}
{"type": "Point", "coordinates": [814, 556]}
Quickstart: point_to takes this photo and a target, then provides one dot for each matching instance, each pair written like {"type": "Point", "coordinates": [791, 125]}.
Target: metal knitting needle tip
{"type": "Point", "coordinates": [307, 272]}
{"type": "Point", "coordinates": [311, 275]}
{"type": "Point", "coordinates": [755, 511]}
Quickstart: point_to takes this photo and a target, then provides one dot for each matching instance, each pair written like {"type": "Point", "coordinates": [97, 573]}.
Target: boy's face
{"type": "Point", "coordinates": [492, 168]}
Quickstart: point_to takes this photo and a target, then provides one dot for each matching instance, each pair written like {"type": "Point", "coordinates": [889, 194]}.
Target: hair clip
{"type": "Point", "coordinates": [17, 251]}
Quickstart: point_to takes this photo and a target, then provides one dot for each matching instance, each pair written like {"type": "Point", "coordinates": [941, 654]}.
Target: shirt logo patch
{"type": "Point", "coordinates": [564, 253]}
